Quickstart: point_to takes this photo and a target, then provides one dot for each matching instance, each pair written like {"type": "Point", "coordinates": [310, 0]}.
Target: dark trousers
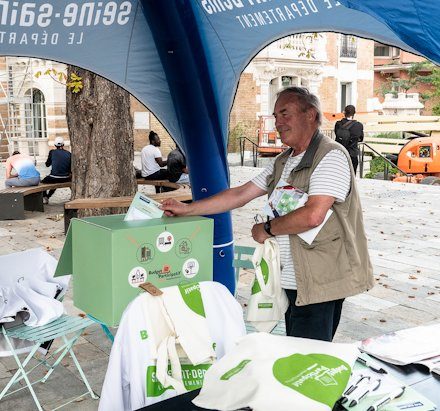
{"type": "Point", "coordinates": [355, 162]}
{"type": "Point", "coordinates": [317, 321]}
{"type": "Point", "coordinates": [49, 180]}
{"type": "Point", "coordinates": [161, 174]}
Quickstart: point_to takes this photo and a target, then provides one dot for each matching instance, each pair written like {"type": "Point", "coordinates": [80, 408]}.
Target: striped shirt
{"type": "Point", "coordinates": [331, 177]}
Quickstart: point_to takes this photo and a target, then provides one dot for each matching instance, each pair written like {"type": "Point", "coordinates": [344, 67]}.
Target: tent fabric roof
{"type": "Point", "coordinates": [415, 22]}
{"type": "Point", "coordinates": [183, 59]}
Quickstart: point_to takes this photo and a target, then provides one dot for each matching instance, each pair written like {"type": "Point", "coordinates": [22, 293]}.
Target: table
{"type": "Point", "coordinates": [416, 376]}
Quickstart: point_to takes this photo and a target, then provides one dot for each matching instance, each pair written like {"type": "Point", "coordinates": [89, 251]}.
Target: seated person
{"type": "Point", "coordinates": [60, 160]}
{"type": "Point", "coordinates": [151, 160]}
{"type": "Point", "coordinates": [26, 173]}
{"type": "Point", "coordinates": [177, 169]}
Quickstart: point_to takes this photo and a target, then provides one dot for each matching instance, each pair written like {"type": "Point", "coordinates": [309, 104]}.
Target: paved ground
{"type": "Point", "coordinates": [403, 229]}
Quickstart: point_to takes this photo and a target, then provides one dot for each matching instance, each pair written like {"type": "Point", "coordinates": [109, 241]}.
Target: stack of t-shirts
{"type": "Point", "coordinates": [165, 344]}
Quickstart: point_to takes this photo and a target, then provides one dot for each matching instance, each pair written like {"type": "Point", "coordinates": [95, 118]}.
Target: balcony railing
{"type": "Point", "coordinates": [348, 47]}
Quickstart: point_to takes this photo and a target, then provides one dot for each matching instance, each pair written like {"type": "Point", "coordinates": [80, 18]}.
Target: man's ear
{"type": "Point", "coordinates": [311, 114]}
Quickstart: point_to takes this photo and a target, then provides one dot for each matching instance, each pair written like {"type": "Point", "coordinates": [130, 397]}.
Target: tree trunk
{"type": "Point", "coordinates": [102, 143]}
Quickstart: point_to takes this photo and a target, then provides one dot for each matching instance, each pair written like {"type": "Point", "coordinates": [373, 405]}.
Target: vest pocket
{"type": "Point", "coordinates": [327, 260]}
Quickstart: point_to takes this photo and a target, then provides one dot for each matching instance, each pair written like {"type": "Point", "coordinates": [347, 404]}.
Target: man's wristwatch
{"type": "Point", "coordinates": [267, 227]}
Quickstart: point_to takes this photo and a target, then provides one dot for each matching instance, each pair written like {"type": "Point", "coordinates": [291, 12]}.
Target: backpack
{"type": "Point", "coordinates": [343, 133]}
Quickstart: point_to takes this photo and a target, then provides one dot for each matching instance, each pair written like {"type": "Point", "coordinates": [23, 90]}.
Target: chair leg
{"type": "Point", "coordinates": [67, 348]}
{"type": "Point", "coordinates": [21, 371]}
{"type": "Point", "coordinates": [83, 376]}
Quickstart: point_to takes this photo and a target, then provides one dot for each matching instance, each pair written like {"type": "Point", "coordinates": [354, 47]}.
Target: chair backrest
{"type": "Point", "coordinates": [242, 259]}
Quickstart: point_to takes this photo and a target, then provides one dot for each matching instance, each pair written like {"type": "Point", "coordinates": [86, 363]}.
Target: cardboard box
{"type": "Point", "coordinates": [109, 258]}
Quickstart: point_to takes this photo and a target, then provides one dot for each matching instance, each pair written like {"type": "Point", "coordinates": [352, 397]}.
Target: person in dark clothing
{"type": "Point", "coordinates": [176, 164]}
{"type": "Point", "coordinates": [60, 160]}
{"type": "Point", "coordinates": [356, 130]}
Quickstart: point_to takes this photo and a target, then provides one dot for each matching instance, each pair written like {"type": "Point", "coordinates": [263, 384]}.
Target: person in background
{"type": "Point", "coordinates": [355, 134]}
{"type": "Point", "coordinates": [176, 165]}
{"type": "Point", "coordinates": [151, 160]}
{"type": "Point", "coordinates": [60, 160]}
{"type": "Point", "coordinates": [25, 172]}
{"type": "Point", "coordinates": [316, 277]}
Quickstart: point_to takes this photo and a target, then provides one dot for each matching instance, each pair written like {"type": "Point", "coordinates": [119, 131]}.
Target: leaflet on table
{"type": "Point", "coordinates": [286, 198]}
{"type": "Point", "coordinates": [433, 364]}
{"type": "Point", "coordinates": [406, 346]}
{"type": "Point", "coordinates": [143, 208]}
{"type": "Point", "coordinates": [410, 399]}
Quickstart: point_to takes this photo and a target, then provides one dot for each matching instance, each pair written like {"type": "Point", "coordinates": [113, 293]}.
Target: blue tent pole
{"type": "Point", "coordinates": [177, 40]}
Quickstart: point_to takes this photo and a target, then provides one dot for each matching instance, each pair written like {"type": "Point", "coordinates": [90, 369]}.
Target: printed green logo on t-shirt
{"type": "Point", "coordinates": [192, 378]}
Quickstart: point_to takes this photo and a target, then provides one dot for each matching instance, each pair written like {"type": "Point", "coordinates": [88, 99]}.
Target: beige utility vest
{"type": "Point", "coordinates": [336, 265]}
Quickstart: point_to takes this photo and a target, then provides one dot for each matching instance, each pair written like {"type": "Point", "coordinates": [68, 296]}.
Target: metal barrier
{"type": "Point", "coordinates": [388, 163]}
{"type": "Point", "coordinates": [242, 141]}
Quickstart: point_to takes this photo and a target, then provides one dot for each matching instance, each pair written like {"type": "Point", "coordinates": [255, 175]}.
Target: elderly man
{"type": "Point", "coordinates": [336, 265]}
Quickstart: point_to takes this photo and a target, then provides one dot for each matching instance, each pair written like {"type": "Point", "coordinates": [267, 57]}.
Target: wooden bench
{"type": "Point", "coordinates": [182, 192]}
{"type": "Point", "coordinates": [15, 200]}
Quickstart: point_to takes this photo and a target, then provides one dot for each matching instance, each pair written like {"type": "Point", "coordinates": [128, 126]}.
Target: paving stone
{"type": "Point", "coordinates": [4, 372]}
{"type": "Point", "coordinates": [404, 238]}
{"type": "Point", "coordinates": [369, 301]}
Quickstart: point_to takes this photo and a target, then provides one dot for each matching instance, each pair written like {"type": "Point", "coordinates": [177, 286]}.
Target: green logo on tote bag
{"type": "Point", "coordinates": [319, 377]}
{"type": "Point", "coordinates": [192, 296]}
{"type": "Point", "coordinates": [265, 272]}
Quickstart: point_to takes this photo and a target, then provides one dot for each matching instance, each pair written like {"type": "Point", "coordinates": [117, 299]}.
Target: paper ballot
{"type": "Point", "coordinates": [143, 208]}
{"type": "Point", "coordinates": [286, 198]}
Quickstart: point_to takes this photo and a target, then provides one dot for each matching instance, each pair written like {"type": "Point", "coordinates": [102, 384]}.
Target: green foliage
{"type": "Point", "coordinates": [239, 130]}
{"type": "Point", "coordinates": [377, 165]}
{"type": "Point", "coordinates": [395, 85]}
{"type": "Point", "coordinates": [58, 76]}
{"type": "Point", "coordinates": [434, 80]}
{"type": "Point", "coordinates": [307, 47]}
{"type": "Point", "coordinates": [74, 84]}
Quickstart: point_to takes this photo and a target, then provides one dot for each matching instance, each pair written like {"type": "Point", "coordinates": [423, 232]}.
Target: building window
{"type": "Point", "coordinates": [35, 114]}
{"type": "Point", "coordinates": [381, 50]}
{"type": "Point", "coordinates": [348, 46]}
{"type": "Point", "coordinates": [345, 95]}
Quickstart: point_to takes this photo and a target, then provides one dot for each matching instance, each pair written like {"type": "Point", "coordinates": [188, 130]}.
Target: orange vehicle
{"type": "Point", "coordinates": [421, 158]}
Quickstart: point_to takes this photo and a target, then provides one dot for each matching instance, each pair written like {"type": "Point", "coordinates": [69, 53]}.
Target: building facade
{"type": "Point", "coordinates": [338, 68]}
{"type": "Point", "coordinates": [391, 65]}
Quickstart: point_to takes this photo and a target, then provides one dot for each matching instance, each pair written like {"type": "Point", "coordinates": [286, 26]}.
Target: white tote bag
{"type": "Point", "coordinates": [268, 302]}
{"type": "Point", "coordinates": [271, 372]}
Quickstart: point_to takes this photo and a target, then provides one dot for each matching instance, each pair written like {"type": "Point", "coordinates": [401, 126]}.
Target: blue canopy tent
{"type": "Point", "coordinates": [183, 59]}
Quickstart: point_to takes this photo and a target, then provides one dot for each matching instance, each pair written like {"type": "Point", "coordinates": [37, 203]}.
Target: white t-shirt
{"type": "Point", "coordinates": [148, 160]}
{"type": "Point", "coordinates": [130, 381]}
{"type": "Point", "coordinates": [331, 177]}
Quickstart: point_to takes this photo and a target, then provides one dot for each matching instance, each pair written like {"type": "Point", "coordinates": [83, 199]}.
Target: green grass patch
{"type": "Point", "coordinates": [377, 165]}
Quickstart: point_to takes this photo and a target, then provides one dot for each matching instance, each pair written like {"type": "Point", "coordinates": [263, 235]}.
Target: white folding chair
{"type": "Point", "coordinates": [67, 328]}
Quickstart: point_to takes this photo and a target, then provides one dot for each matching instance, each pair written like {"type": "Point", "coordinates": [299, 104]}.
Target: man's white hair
{"type": "Point", "coordinates": [305, 99]}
